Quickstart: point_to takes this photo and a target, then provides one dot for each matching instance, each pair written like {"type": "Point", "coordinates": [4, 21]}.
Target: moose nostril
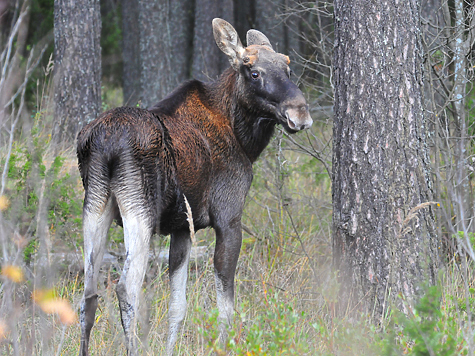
{"type": "Point", "coordinates": [298, 118]}
{"type": "Point", "coordinates": [291, 123]}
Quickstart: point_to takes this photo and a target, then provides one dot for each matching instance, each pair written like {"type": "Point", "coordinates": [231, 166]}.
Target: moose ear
{"type": "Point", "coordinates": [255, 37]}
{"type": "Point", "coordinates": [228, 41]}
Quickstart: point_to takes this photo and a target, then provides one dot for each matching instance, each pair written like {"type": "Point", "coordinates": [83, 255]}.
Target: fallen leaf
{"type": "Point", "coordinates": [3, 330]}
{"type": "Point", "coordinates": [13, 273]}
{"type": "Point", "coordinates": [50, 304]}
{"type": "Point", "coordinates": [4, 203]}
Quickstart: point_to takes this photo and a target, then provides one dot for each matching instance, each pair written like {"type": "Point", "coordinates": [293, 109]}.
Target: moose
{"type": "Point", "coordinates": [199, 143]}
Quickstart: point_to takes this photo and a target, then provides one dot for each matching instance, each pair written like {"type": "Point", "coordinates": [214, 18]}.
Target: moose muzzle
{"type": "Point", "coordinates": [297, 116]}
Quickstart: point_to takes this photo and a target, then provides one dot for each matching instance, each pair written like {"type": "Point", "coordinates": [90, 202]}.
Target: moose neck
{"type": "Point", "coordinates": [251, 129]}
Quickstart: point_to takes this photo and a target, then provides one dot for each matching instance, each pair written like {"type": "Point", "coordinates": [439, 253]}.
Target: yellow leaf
{"type": "Point", "coordinates": [13, 273]}
{"type": "Point", "coordinates": [41, 295]}
{"type": "Point", "coordinates": [4, 203]}
{"type": "Point", "coordinates": [3, 330]}
{"type": "Point", "coordinates": [50, 304]}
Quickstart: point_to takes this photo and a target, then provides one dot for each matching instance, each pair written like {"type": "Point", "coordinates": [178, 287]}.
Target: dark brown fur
{"type": "Point", "coordinates": [199, 143]}
{"type": "Point", "coordinates": [192, 146]}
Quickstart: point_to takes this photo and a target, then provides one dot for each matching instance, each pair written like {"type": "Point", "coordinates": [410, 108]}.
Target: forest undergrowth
{"type": "Point", "coordinates": [286, 291]}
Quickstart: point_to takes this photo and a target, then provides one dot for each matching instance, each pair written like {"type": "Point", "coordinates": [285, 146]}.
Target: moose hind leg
{"type": "Point", "coordinates": [96, 225]}
{"type": "Point", "coordinates": [137, 233]}
{"type": "Point", "coordinates": [180, 246]}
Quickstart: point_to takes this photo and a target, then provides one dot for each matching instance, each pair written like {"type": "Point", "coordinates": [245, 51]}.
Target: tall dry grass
{"type": "Point", "coordinates": [285, 288]}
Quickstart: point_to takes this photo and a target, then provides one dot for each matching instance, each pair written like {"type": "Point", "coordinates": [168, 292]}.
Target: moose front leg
{"type": "Point", "coordinates": [180, 247]}
{"type": "Point", "coordinates": [226, 253]}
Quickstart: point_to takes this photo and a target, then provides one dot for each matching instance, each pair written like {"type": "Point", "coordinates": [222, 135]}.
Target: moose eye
{"type": "Point", "coordinates": [255, 74]}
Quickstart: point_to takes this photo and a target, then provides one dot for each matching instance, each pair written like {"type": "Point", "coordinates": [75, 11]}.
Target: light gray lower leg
{"type": "Point", "coordinates": [180, 247]}
{"type": "Point", "coordinates": [95, 226]}
{"type": "Point", "coordinates": [225, 303]}
{"type": "Point", "coordinates": [137, 233]}
{"type": "Point", "coordinates": [226, 254]}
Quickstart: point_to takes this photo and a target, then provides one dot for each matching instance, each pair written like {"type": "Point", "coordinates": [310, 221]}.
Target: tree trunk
{"type": "Point", "coordinates": [208, 61]}
{"type": "Point", "coordinates": [384, 242]}
{"type": "Point", "coordinates": [244, 17]}
{"type": "Point", "coordinates": [130, 52]}
{"type": "Point", "coordinates": [154, 51]}
{"type": "Point", "coordinates": [461, 47]}
{"type": "Point", "coordinates": [77, 66]}
{"type": "Point", "coordinates": [180, 27]}
{"type": "Point", "coordinates": [157, 37]}
{"type": "Point", "coordinates": [269, 22]}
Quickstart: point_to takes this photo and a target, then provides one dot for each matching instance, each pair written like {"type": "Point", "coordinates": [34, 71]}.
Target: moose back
{"type": "Point", "coordinates": [137, 166]}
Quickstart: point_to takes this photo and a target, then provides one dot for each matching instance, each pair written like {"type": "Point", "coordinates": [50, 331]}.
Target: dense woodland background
{"type": "Point", "coordinates": [358, 235]}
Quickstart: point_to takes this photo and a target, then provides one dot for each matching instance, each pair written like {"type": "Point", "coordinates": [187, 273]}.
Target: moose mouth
{"type": "Point", "coordinates": [285, 123]}
{"type": "Point", "coordinates": [287, 128]}
{"type": "Point", "coordinates": [292, 125]}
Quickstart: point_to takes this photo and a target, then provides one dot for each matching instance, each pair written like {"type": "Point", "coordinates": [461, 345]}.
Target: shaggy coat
{"type": "Point", "coordinates": [138, 166]}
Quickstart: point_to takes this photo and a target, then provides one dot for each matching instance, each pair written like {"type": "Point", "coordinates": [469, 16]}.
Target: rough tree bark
{"type": "Point", "coordinates": [77, 65]}
{"type": "Point", "coordinates": [461, 46]}
{"type": "Point", "coordinates": [154, 51]}
{"type": "Point", "coordinates": [208, 61]}
{"type": "Point", "coordinates": [384, 242]}
{"type": "Point", "coordinates": [268, 21]}
{"type": "Point", "coordinates": [157, 37]}
{"type": "Point", "coordinates": [130, 52]}
{"type": "Point", "coordinates": [244, 15]}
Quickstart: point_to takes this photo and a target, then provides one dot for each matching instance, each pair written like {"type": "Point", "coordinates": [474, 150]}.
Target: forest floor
{"type": "Point", "coordinates": [285, 288]}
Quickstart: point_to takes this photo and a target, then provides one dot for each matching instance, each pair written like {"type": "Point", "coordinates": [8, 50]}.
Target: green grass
{"type": "Point", "coordinates": [285, 288]}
